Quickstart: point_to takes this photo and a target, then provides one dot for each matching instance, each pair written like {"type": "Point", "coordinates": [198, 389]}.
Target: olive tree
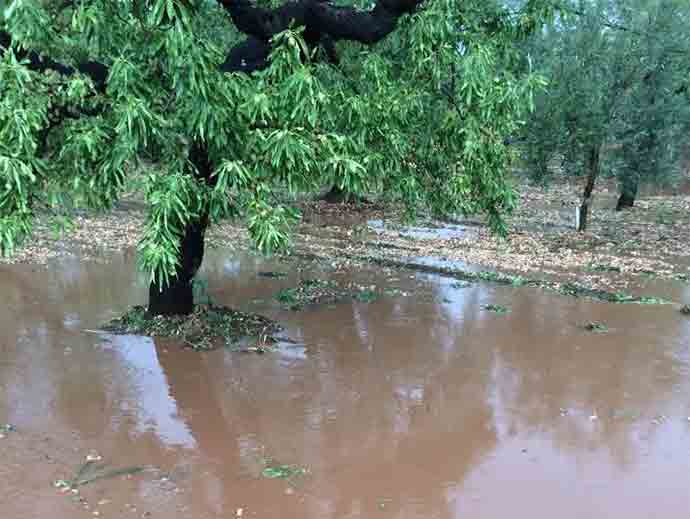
{"type": "Point", "coordinates": [219, 106]}
{"type": "Point", "coordinates": [616, 73]}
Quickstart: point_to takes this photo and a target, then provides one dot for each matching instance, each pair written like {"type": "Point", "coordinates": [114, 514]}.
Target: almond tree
{"type": "Point", "coordinates": [406, 99]}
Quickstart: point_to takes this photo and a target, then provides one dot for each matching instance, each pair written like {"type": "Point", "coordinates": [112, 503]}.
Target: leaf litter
{"type": "Point", "coordinates": [208, 327]}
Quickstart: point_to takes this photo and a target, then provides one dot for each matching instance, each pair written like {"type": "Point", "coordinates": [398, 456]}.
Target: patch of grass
{"type": "Point", "coordinates": [518, 281]}
{"type": "Point", "coordinates": [596, 327]}
{"type": "Point", "coordinates": [288, 297]}
{"type": "Point", "coordinates": [651, 301]}
{"type": "Point", "coordinates": [498, 309]}
{"type": "Point", "coordinates": [308, 292]}
{"type": "Point", "coordinates": [566, 289]}
{"type": "Point", "coordinates": [394, 292]}
{"type": "Point", "coordinates": [316, 292]}
{"type": "Point", "coordinates": [282, 472]}
{"type": "Point", "coordinates": [274, 470]}
{"type": "Point", "coordinates": [574, 290]}
{"type": "Point", "coordinates": [201, 330]}
{"type": "Point", "coordinates": [366, 296]}
{"type": "Point", "coordinates": [494, 277]}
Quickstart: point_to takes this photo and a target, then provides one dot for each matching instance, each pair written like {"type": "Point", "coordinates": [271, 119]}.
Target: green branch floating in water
{"type": "Point", "coordinates": [92, 471]}
{"type": "Point", "coordinates": [497, 309]}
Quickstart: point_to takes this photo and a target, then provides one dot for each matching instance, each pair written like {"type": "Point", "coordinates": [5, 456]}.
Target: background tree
{"type": "Point", "coordinates": [651, 131]}
{"type": "Point", "coordinates": [93, 92]}
{"type": "Point", "coordinates": [614, 101]}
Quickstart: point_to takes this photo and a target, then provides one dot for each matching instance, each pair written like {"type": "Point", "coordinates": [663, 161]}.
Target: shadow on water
{"type": "Point", "coordinates": [417, 406]}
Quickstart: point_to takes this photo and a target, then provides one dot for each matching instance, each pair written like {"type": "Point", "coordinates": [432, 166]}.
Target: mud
{"type": "Point", "coordinates": [420, 404]}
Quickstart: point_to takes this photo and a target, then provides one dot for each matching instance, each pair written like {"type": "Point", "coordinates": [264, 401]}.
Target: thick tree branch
{"type": "Point", "coordinates": [369, 27]}
{"type": "Point", "coordinates": [262, 23]}
{"type": "Point", "coordinates": [323, 24]}
{"type": "Point", "coordinates": [37, 63]}
{"type": "Point", "coordinates": [248, 56]}
{"type": "Point", "coordinates": [320, 17]}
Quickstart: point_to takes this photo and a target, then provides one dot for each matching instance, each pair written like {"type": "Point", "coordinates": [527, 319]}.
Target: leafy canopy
{"type": "Point", "coordinates": [618, 74]}
{"type": "Point", "coordinates": [421, 118]}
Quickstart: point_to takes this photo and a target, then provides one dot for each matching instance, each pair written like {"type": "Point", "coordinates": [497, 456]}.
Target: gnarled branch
{"type": "Point", "coordinates": [94, 70]}
{"type": "Point", "coordinates": [369, 27]}
{"type": "Point", "coordinates": [323, 24]}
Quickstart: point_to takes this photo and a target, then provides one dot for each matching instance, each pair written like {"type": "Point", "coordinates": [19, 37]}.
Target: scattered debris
{"type": "Point", "coordinates": [568, 288]}
{"type": "Point", "coordinates": [274, 275]}
{"type": "Point", "coordinates": [383, 502]}
{"type": "Point", "coordinates": [685, 309]}
{"type": "Point", "coordinates": [204, 329]}
{"type": "Point", "coordinates": [282, 472]}
{"type": "Point", "coordinates": [603, 268]}
{"type": "Point", "coordinates": [92, 471]}
{"type": "Point", "coordinates": [596, 327]}
{"type": "Point", "coordinates": [630, 414]}
{"type": "Point", "coordinates": [279, 471]}
{"type": "Point", "coordinates": [498, 309]}
{"type": "Point", "coordinates": [6, 429]}
{"type": "Point", "coordinates": [317, 292]}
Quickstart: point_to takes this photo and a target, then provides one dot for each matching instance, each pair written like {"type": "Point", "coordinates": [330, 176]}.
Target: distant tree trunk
{"type": "Point", "coordinates": [593, 166]}
{"type": "Point", "coordinates": [177, 298]}
{"type": "Point", "coordinates": [629, 187]}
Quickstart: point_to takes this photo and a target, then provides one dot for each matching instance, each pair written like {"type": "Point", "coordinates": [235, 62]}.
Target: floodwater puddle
{"type": "Point", "coordinates": [436, 232]}
{"type": "Point", "coordinates": [419, 404]}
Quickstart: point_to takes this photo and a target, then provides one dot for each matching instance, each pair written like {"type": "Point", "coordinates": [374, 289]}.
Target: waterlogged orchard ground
{"type": "Point", "coordinates": [624, 253]}
{"type": "Point", "coordinates": [400, 394]}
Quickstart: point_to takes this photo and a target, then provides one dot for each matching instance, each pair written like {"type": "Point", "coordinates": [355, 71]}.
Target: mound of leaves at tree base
{"type": "Point", "coordinates": [208, 327]}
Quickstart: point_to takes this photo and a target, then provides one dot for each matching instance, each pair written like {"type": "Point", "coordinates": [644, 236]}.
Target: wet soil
{"type": "Point", "coordinates": [418, 404]}
{"type": "Point", "coordinates": [621, 250]}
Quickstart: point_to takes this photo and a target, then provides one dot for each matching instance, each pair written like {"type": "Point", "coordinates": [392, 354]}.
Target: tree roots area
{"type": "Point", "coordinates": [208, 327]}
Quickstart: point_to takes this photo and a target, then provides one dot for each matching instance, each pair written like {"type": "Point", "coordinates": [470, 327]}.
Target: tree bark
{"type": "Point", "coordinates": [339, 196]}
{"type": "Point", "coordinates": [593, 166]}
{"type": "Point", "coordinates": [629, 188]}
{"type": "Point", "coordinates": [177, 297]}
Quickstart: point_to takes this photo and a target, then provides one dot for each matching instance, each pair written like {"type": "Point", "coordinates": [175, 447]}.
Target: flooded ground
{"type": "Point", "coordinates": [421, 404]}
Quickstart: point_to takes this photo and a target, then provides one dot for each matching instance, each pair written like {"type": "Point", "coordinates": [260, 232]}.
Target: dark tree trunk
{"type": "Point", "coordinates": [177, 298]}
{"type": "Point", "coordinates": [339, 196]}
{"type": "Point", "coordinates": [628, 195]}
{"type": "Point", "coordinates": [593, 165]}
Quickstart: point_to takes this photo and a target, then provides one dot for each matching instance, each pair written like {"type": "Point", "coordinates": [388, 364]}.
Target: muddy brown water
{"type": "Point", "coordinates": [417, 405]}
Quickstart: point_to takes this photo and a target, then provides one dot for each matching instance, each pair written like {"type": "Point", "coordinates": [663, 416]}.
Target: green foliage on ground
{"type": "Point", "coordinates": [206, 328]}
